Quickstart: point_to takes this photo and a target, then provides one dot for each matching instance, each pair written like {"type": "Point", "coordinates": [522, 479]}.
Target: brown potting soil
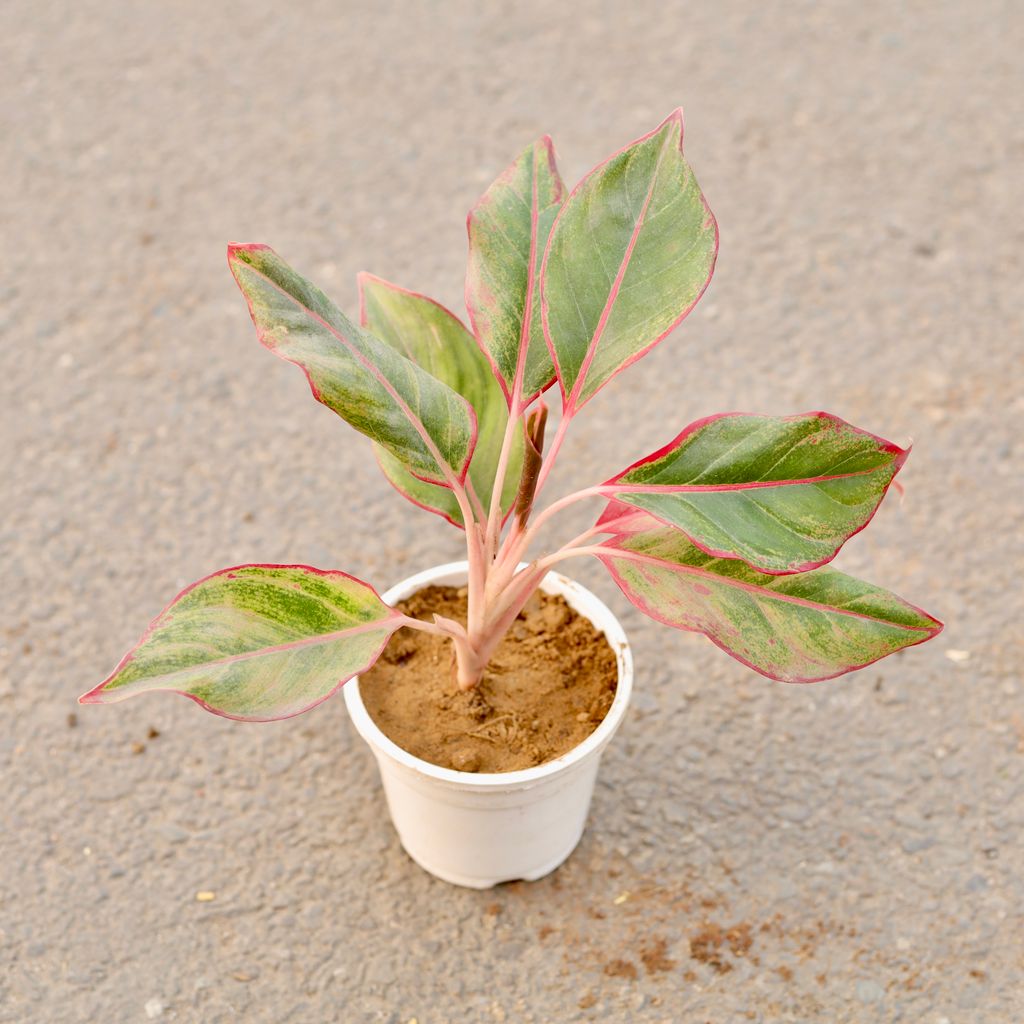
{"type": "Point", "coordinates": [548, 686]}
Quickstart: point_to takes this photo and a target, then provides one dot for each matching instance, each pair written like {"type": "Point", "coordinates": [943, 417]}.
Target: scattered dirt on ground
{"type": "Point", "coordinates": [621, 969]}
{"type": "Point", "coordinates": [806, 937]}
{"type": "Point", "coordinates": [712, 944]}
{"type": "Point", "coordinates": [549, 685]}
{"type": "Point", "coordinates": [627, 933]}
{"type": "Point", "coordinates": [652, 956]}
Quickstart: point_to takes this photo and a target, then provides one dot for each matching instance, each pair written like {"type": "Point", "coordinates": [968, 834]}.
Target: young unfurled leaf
{"type": "Point", "coordinates": [429, 428]}
{"type": "Point", "coordinates": [257, 642]}
{"type": "Point", "coordinates": [630, 253]}
{"type": "Point", "coordinates": [782, 493]}
{"type": "Point", "coordinates": [508, 229]}
{"type": "Point", "coordinates": [797, 628]}
{"type": "Point", "coordinates": [533, 456]}
{"type": "Point", "coordinates": [435, 339]}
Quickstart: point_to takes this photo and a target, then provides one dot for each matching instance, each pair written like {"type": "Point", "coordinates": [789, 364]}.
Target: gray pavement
{"type": "Point", "coordinates": [862, 838]}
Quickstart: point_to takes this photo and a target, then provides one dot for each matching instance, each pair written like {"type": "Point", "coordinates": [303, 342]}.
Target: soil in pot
{"type": "Point", "coordinates": [547, 688]}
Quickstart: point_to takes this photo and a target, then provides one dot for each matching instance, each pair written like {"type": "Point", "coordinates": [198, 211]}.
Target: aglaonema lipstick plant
{"type": "Point", "coordinates": [726, 530]}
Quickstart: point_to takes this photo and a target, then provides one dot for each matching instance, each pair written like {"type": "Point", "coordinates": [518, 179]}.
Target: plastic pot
{"type": "Point", "coordinates": [479, 829]}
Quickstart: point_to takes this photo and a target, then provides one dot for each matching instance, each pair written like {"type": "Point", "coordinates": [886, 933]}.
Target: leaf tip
{"type": "Point", "coordinates": [364, 280]}
{"type": "Point", "coordinates": [94, 696]}
{"type": "Point", "coordinates": [674, 118]}
{"type": "Point", "coordinates": [236, 249]}
{"type": "Point", "coordinates": [547, 144]}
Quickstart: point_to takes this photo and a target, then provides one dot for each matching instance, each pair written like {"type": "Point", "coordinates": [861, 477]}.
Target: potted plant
{"type": "Point", "coordinates": [726, 530]}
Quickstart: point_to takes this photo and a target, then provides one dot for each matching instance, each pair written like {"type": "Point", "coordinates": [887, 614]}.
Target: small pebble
{"type": "Point", "coordinates": [138, 748]}
{"type": "Point", "coordinates": [917, 844]}
{"type": "Point", "coordinates": [173, 833]}
{"type": "Point", "coordinates": [870, 992]}
{"type": "Point", "coordinates": [154, 1008]}
{"type": "Point", "coordinates": [205, 896]}
{"type": "Point", "coordinates": [466, 761]}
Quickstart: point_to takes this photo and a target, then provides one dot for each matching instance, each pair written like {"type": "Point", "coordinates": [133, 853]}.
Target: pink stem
{"type": "Point", "coordinates": [477, 572]}
{"type": "Point", "coordinates": [510, 588]}
{"type": "Point", "coordinates": [556, 444]}
{"type": "Point", "coordinates": [518, 541]}
{"type": "Point", "coordinates": [428, 627]}
{"type": "Point", "coordinates": [524, 584]}
{"type": "Point", "coordinates": [468, 662]}
{"type": "Point", "coordinates": [494, 516]}
{"type": "Point", "coordinates": [478, 505]}
{"type": "Point", "coordinates": [563, 553]}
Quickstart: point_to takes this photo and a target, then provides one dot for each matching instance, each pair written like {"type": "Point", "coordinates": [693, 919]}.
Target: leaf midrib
{"type": "Point", "coordinates": [616, 284]}
{"type": "Point", "coordinates": [619, 487]}
{"type": "Point", "coordinates": [313, 641]}
{"type": "Point", "coordinates": [636, 556]}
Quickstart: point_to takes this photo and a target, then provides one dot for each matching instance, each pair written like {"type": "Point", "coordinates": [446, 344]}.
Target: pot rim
{"type": "Point", "coordinates": [600, 616]}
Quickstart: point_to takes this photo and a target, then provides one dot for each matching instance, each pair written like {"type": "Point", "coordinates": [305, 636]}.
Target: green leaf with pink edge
{"type": "Point", "coordinates": [630, 253]}
{"type": "Point", "coordinates": [797, 628]}
{"type": "Point", "coordinates": [508, 229]}
{"type": "Point", "coordinates": [257, 642]}
{"type": "Point", "coordinates": [782, 493]}
{"type": "Point", "coordinates": [436, 340]}
{"type": "Point", "coordinates": [426, 425]}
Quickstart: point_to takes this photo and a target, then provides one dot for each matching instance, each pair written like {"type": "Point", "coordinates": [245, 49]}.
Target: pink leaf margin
{"type": "Point", "coordinates": [235, 247]}
{"type": "Point", "coordinates": [95, 695]}
{"type": "Point", "coordinates": [928, 631]}
{"type": "Point", "coordinates": [569, 400]}
{"type": "Point", "coordinates": [364, 277]}
{"type": "Point", "coordinates": [619, 509]}
{"type": "Point", "coordinates": [419, 504]}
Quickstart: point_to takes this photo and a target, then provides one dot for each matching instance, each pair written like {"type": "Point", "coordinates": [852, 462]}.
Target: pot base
{"type": "Point", "coordinates": [475, 882]}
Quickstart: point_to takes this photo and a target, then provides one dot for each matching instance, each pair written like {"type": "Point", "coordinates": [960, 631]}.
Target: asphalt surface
{"type": "Point", "coordinates": [846, 852]}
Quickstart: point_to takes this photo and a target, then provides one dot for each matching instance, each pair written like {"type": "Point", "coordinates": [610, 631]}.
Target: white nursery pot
{"type": "Point", "coordinates": [478, 829]}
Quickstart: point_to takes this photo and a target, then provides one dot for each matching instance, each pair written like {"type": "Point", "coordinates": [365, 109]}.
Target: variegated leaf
{"type": "Point", "coordinates": [798, 628]}
{"type": "Point", "coordinates": [429, 428]}
{"type": "Point", "coordinates": [630, 253]}
{"type": "Point", "coordinates": [782, 493]}
{"type": "Point", "coordinates": [508, 229]}
{"type": "Point", "coordinates": [257, 642]}
{"type": "Point", "coordinates": [435, 339]}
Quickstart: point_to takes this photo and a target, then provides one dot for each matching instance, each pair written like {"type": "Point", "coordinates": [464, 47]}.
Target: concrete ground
{"type": "Point", "coordinates": [847, 852]}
